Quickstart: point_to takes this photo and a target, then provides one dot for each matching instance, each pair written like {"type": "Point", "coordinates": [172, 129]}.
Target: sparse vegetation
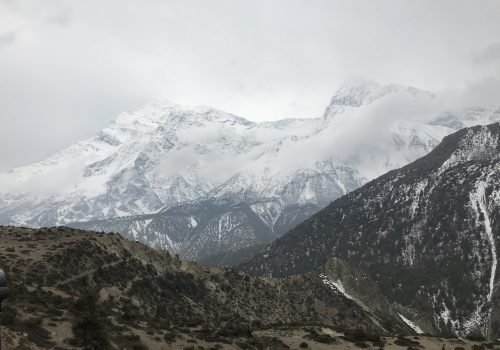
{"type": "Point", "coordinates": [476, 337]}
{"type": "Point", "coordinates": [117, 294]}
{"type": "Point", "coordinates": [407, 342]}
{"type": "Point", "coordinates": [319, 337]}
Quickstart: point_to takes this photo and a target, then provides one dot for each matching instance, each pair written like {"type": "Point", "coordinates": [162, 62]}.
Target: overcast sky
{"type": "Point", "coordinates": [69, 67]}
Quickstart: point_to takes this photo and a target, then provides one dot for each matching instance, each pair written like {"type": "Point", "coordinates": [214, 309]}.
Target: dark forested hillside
{"type": "Point", "coordinates": [426, 233]}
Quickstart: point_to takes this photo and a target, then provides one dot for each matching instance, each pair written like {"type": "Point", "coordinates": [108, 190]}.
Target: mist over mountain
{"type": "Point", "coordinates": [200, 182]}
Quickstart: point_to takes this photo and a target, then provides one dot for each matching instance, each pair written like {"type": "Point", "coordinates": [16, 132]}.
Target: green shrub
{"type": "Point", "coordinates": [361, 336]}
{"type": "Point", "coordinates": [138, 346]}
{"type": "Point", "coordinates": [89, 328]}
{"type": "Point", "coordinates": [169, 337]}
{"type": "Point", "coordinates": [324, 338]}
{"type": "Point", "coordinates": [402, 341]}
{"type": "Point", "coordinates": [476, 337]}
{"type": "Point", "coordinates": [8, 316]}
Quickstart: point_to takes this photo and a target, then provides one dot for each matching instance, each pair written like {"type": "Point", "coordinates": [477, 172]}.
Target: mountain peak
{"type": "Point", "coordinates": [164, 112]}
{"type": "Point", "coordinates": [353, 92]}
{"type": "Point", "coordinates": [358, 92]}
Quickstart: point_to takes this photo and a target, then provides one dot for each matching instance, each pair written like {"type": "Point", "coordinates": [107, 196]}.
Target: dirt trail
{"type": "Point", "coordinates": [86, 273]}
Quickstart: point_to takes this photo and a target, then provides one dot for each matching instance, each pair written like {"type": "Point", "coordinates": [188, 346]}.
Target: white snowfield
{"type": "Point", "coordinates": [165, 154]}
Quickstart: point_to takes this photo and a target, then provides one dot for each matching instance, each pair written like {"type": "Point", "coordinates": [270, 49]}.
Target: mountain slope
{"type": "Point", "coordinates": [225, 223]}
{"type": "Point", "coordinates": [166, 158]}
{"type": "Point", "coordinates": [146, 294]}
{"type": "Point", "coordinates": [426, 233]}
{"type": "Point", "coordinates": [193, 230]}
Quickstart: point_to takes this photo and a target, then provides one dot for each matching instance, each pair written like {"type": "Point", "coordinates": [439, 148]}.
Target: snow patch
{"type": "Point", "coordinates": [193, 222]}
{"type": "Point", "coordinates": [411, 324]}
{"type": "Point", "coordinates": [419, 188]}
{"type": "Point", "coordinates": [479, 202]}
{"type": "Point", "coordinates": [480, 206]}
{"type": "Point", "coordinates": [335, 286]}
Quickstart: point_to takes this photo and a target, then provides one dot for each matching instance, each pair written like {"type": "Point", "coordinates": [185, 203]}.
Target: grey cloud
{"type": "Point", "coordinates": [62, 18]}
{"type": "Point", "coordinates": [263, 59]}
{"type": "Point", "coordinates": [8, 38]}
{"type": "Point", "coordinates": [490, 54]}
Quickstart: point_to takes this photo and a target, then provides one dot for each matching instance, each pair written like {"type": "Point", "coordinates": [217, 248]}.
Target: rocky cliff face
{"type": "Point", "coordinates": [426, 233]}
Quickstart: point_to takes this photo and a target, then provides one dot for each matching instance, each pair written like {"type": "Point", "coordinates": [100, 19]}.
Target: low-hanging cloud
{"type": "Point", "coordinates": [490, 54]}
{"type": "Point", "coordinates": [7, 38]}
{"type": "Point", "coordinates": [360, 137]}
{"type": "Point", "coordinates": [68, 67]}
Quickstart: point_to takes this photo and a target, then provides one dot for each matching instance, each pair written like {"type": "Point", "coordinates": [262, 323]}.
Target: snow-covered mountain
{"type": "Point", "coordinates": [427, 233]}
{"type": "Point", "coordinates": [156, 162]}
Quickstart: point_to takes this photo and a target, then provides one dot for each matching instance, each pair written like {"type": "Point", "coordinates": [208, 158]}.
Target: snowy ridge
{"type": "Point", "coordinates": [359, 92]}
{"type": "Point", "coordinates": [476, 145]}
{"type": "Point", "coordinates": [165, 155]}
